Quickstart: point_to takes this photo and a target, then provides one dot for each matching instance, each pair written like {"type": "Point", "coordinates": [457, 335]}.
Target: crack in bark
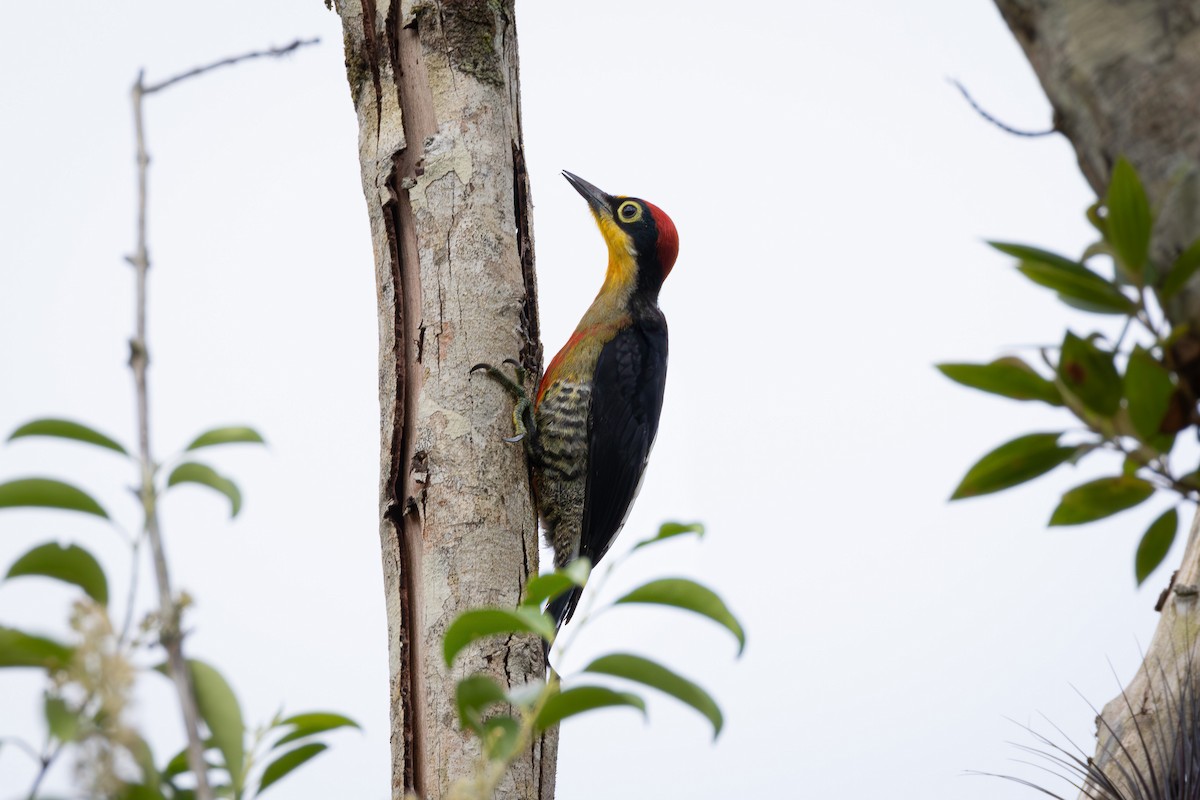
{"type": "Point", "coordinates": [446, 44]}
{"type": "Point", "coordinates": [524, 563]}
{"type": "Point", "coordinates": [369, 50]}
{"type": "Point", "coordinates": [531, 350]}
{"type": "Point", "coordinates": [441, 320]}
{"type": "Point", "coordinates": [405, 48]}
{"type": "Point", "coordinates": [396, 214]}
{"type": "Point", "coordinates": [508, 648]}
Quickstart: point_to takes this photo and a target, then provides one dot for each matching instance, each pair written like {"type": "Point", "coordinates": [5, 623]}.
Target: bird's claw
{"type": "Point", "coordinates": [522, 373]}
{"type": "Point", "coordinates": [514, 388]}
{"type": "Point", "coordinates": [523, 419]}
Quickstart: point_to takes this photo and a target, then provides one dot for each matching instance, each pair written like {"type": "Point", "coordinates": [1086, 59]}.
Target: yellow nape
{"type": "Point", "coordinates": [622, 255]}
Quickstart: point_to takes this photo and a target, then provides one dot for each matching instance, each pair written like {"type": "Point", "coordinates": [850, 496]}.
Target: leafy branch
{"type": "Point", "coordinates": [506, 722]}
{"type": "Point", "coordinates": [90, 679]}
{"type": "Point", "coordinates": [1129, 396]}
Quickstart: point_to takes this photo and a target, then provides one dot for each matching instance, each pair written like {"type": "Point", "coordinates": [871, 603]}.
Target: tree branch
{"type": "Point", "coordinates": [169, 635]}
{"type": "Point", "coordinates": [273, 52]}
{"type": "Point", "coordinates": [170, 632]}
{"type": "Point", "coordinates": [1002, 126]}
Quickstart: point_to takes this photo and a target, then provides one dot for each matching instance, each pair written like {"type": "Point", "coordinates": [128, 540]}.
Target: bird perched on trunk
{"type": "Point", "coordinates": [589, 430]}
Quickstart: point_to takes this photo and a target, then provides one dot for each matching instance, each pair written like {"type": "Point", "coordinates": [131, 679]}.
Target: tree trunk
{"type": "Point", "coordinates": [436, 92]}
{"type": "Point", "coordinates": [1123, 77]}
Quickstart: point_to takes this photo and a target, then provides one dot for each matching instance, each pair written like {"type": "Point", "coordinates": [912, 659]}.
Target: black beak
{"type": "Point", "coordinates": [600, 202]}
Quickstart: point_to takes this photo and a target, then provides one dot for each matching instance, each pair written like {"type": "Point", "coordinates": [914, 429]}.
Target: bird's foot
{"type": "Point", "coordinates": [523, 419]}
{"type": "Point", "coordinates": [515, 388]}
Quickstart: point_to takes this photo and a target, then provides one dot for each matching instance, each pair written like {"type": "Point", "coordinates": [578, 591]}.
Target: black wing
{"type": "Point", "coordinates": [627, 397]}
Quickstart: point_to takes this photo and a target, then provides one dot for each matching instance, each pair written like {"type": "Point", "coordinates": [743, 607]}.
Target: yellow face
{"type": "Point", "coordinates": [630, 225]}
{"type": "Point", "coordinates": [622, 254]}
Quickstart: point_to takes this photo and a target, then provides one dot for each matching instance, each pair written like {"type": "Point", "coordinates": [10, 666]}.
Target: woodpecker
{"type": "Point", "coordinates": [589, 430]}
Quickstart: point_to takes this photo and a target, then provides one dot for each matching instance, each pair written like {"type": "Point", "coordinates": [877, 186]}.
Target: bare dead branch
{"type": "Point", "coordinates": [170, 634]}
{"type": "Point", "coordinates": [1002, 126]}
{"type": "Point", "coordinates": [273, 52]}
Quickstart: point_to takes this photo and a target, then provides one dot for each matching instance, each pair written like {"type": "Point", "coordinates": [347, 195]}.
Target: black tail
{"type": "Point", "coordinates": [561, 609]}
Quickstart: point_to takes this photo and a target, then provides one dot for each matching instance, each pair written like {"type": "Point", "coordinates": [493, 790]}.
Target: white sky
{"type": "Point", "coordinates": [831, 192]}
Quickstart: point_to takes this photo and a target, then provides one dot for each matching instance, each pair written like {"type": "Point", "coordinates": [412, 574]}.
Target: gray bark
{"type": "Point", "coordinates": [436, 91]}
{"type": "Point", "coordinates": [1123, 77]}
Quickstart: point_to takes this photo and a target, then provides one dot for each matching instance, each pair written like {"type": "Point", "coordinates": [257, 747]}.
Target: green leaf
{"type": "Point", "coordinates": [1089, 373]}
{"type": "Point", "coordinates": [66, 429]}
{"type": "Point", "coordinates": [288, 762]}
{"type": "Point", "coordinates": [1096, 219]}
{"type": "Point", "coordinates": [546, 587]}
{"type": "Point", "coordinates": [47, 493]}
{"type": "Point", "coordinates": [1181, 271]}
{"type": "Point", "coordinates": [1008, 377]}
{"type": "Point", "coordinates": [230, 435]}
{"type": "Point", "coordinates": [501, 736]}
{"type": "Point", "coordinates": [179, 762]}
{"type": "Point", "coordinates": [176, 766]}
{"type": "Point", "coordinates": [574, 701]}
{"type": "Point", "coordinates": [1150, 274]}
{"type": "Point", "coordinates": [1075, 283]}
{"type": "Point", "coordinates": [690, 596]}
{"type": "Point", "coordinates": [1089, 291]}
{"type": "Point", "coordinates": [1024, 252]}
{"type": "Point", "coordinates": [669, 530]}
{"type": "Point", "coordinates": [472, 696]}
{"type": "Point", "coordinates": [60, 719]}
{"type": "Point", "coordinates": [470, 626]}
{"type": "Point", "coordinates": [1129, 220]}
{"type": "Point", "coordinates": [144, 758]}
{"type": "Point", "coordinates": [191, 472]}
{"type": "Point", "coordinates": [313, 722]}
{"type": "Point", "coordinates": [1089, 307]}
{"type": "Point", "coordinates": [70, 564]}
{"type": "Point", "coordinates": [1013, 463]}
{"type": "Point", "coordinates": [1156, 541]}
{"type": "Point", "coordinates": [1099, 499]}
{"type": "Point", "coordinates": [219, 708]}
{"type": "Point", "coordinates": [656, 676]}
{"type": "Point", "coordinates": [139, 791]}
{"type": "Point", "coordinates": [1148, 391]}
{"type": "Point", "coordinates": [19, 649]}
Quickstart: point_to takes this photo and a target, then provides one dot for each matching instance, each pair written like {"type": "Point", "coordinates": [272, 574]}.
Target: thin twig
{"type": "Point", "coordinates": [273, 52]}
{"type": "Point", "coordinates": [170, 633]}
{"type": "Point", "coordinates": [134, 571]}
{"type": "Point", "coordinates": [996, 122]}
{"type": "Point", "coordinates": [139, 357]}
{"type": "Point", "coordinates": [1170, 482]}
{"type": "Point", "coordinates": [46, 761]}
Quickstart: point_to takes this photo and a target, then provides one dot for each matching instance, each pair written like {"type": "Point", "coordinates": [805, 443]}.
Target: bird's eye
{"type": "Point", "coordinates": [629, 212]}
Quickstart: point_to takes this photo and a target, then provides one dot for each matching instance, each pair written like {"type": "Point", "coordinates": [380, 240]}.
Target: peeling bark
{"type": "Point", "coordinates": [1123, 77]}
{"type": "Point", "coordinates": [436, 91]}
